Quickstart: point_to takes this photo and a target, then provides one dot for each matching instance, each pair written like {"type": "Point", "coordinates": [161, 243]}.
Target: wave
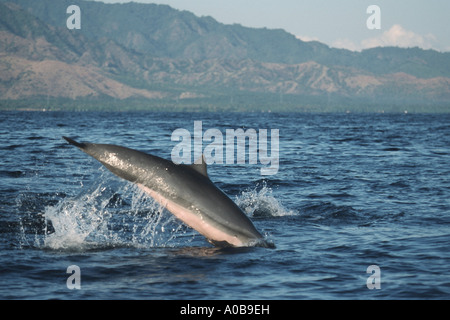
{"type": "Point", "coordinates": [330, 213]}
{"type": "Point", "coordinates": [11, 174]}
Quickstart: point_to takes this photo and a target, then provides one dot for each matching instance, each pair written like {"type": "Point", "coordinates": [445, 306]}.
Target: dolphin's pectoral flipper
{"type": "Point", "coordinates": [220, 244]}
{"type": "Point", "coordinates": [186, 191]}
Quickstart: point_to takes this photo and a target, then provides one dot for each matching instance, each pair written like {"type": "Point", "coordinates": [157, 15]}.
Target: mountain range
{"type": "Point", "coordinates": [153, 57]}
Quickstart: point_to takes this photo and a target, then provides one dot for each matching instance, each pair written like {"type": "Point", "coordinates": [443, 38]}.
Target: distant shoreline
{"type": "Point", "coordinates": [405, 112]}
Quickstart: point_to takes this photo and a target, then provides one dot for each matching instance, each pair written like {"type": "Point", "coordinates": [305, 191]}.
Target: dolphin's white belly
{"type": "Point", "coordinates": [194, 219]}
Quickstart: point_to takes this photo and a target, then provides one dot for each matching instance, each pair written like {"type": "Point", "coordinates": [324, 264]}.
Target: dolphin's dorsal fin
{"type": "Point", "coordinates": [200, 166]}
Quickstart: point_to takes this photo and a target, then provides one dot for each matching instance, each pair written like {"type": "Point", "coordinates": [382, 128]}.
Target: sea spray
{"type": "Point", "coordinates": [103, 218]}
{"type": "Point", "coordinates": [111, 213]}
{"type": "Point", "coordinates": [260, 202]}
{"type": "Point", "coordinates": [75, 219]}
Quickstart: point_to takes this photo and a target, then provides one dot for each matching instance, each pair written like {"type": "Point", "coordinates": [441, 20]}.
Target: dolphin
{"type": "Point", "coordinates": [185, 190]}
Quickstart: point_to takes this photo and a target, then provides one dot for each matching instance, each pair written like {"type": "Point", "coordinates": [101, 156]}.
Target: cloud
{"type": "Point", "coordinates": [396, 36]}
{"type": "Point", "coordinates": [307, 38]}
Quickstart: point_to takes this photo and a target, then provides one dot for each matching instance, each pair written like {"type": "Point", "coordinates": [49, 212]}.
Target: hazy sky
{"type": "Point", "coordinates": [338, 23]}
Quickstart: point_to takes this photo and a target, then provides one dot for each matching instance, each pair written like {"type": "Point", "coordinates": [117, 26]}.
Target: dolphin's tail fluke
{"type": "Point", "coordinates": [76, 144]}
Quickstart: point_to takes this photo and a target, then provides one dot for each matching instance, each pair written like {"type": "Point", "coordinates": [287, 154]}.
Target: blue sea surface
{"type": "Point", "coordinates": [352, 191]}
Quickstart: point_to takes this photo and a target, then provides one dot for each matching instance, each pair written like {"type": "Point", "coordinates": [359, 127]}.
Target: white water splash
{"type": "Point", "coordinates": [101, 218]}
{"type": "Point", "coordinates": [260, 202]}
{"type": "Point", "coordinates": [122, 215]}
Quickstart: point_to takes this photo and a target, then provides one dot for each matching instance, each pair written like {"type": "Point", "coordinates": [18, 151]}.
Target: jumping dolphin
{"type": "Point", "coordinates": [185, 190]}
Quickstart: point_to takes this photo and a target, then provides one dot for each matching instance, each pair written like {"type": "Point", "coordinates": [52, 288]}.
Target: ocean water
{"type": "Point", "coordinates": [352, 191]}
